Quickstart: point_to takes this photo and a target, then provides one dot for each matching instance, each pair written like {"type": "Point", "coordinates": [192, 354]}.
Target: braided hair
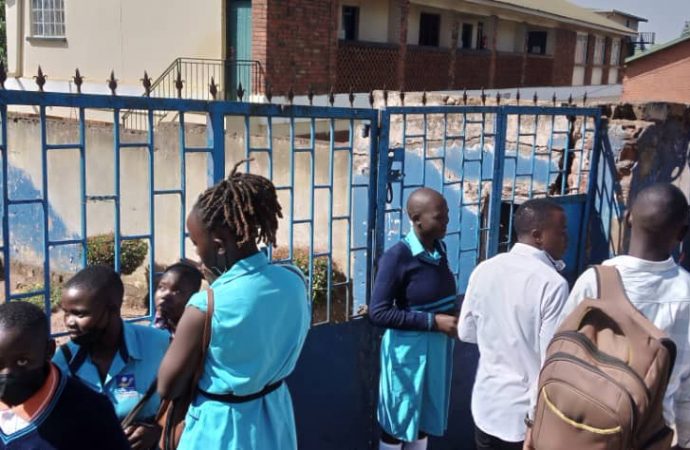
{"type": "Point", "coordinates": [245, 203]}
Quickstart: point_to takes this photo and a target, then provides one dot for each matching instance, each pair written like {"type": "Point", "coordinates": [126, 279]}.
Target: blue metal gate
{"type": "Point", "coordinates": [72, 172]}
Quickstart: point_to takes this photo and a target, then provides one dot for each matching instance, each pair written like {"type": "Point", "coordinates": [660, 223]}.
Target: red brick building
{"type": "Point", "coordinates": [433, 44]}
{"type": "Point", "coordinates": [659, 74]}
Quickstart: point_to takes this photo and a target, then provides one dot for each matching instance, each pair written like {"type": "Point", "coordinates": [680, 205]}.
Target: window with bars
{"type": "Point", "coordinates": [47, 18]}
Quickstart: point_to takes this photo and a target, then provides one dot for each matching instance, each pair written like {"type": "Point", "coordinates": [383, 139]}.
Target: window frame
{"type": "Point", "coordinates": [599, 54]}
{"type": "Point", "coordinates": [48, 9]}
{"type": "Point", "coordinates": [545, 43]}
{"type": "Point", "coordinates": [426, 38]}
{"type": "Point", "coordinates": [581, 53]}
{"type": "Point", "coordinates": [356, 12]}
{"type": "Point", "coordinates": [469, 28]}
{"type": "Point", "coordinates": [616, 45]}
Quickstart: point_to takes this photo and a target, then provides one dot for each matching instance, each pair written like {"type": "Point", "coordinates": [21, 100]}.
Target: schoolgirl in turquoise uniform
{"type": "Point", "coordinates": [260, 321]}
{"type": "Point", "coordinates": [414, 297]}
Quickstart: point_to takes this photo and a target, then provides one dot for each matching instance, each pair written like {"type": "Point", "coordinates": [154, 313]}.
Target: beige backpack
{"type": "Point", "coordinates": [604, 379]}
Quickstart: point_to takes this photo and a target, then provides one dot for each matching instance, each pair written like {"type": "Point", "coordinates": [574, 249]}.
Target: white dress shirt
{"type": "Point", "coordinates": [511, 308]}
{"type": "Point", "coordinates": [661, 291]}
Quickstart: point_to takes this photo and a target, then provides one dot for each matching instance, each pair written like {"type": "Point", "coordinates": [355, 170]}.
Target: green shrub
{"type": "Point", "coordinates": [101, 250]}
{"type": "Point", "coordinates": [300, 258]}
{"type": "Point", "coordinates": [55, 295]}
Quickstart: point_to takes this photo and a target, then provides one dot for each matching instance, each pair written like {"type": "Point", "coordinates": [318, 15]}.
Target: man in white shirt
{"type": "Point", "coordinates": [511, 307]}
{"type": "Point", "coordinates": [657, 286]}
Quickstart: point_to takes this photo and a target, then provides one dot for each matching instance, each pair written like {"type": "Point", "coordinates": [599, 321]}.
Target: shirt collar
{"type": "Point", "coordinates": [417, 248]}
{"type": "Point", "coordinates": [644, 265]}
{"type": "Point", "coordinates": [32, 407]}
{"type": "Point", "coordinates": [528, 250]}
{"type": "Point", "coordinates": [129, 344]}
{"type": "Point", "coordinates": [244, 266]}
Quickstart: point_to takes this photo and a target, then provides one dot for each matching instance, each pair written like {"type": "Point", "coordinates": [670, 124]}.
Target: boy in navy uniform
{"type": "Point", "coordinates": [112, 357]}
{"type": "Point", "coordinates": [40, 408]}
{"type": "Point", "coordinates": [414, 297]}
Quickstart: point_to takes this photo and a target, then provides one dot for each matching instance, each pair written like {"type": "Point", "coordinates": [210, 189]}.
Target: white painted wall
{"type": "Point", "coordinates": [507, 38]}
{"type": "Point", "coordinates": [373, 19]}
{"type": "Point", "coordinates": [597, 73]}
{"type": "Point", "coordinates": [613, 75]}
{"type": "Point", "coordinates": [129, 36]}
{"type": "Point", "coordinates": [579, 76]}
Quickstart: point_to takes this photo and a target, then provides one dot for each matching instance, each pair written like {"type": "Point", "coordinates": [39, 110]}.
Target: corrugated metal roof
{"type": "Point", "coordinates": [565, 10]}
{"type": "Point", "coordinates": [658, 48]}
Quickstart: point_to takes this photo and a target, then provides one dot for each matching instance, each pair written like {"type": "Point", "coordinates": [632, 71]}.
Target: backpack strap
{"type": "Point", "coordinates": [610, 285]}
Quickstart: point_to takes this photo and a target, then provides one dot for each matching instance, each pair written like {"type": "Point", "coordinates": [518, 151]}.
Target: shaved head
{"type": "Point", "coordinates": [423, 200]}
{"type": "Point", "coordinates": [428, 212]}
{"type": "Point", "coordinates": [660, 209]}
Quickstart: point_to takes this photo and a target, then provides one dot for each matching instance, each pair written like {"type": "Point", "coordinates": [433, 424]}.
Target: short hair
{"type": "Point", "coordinates": [660, 207]}
{"type": "Point", "coordinates": [99, 279]}
{"type": "Point", "coordinates": [24, 316]}
{"type": "Point", "coordinates": [533, 214]}
{"type": "Point", "coordinates": [188, 274]}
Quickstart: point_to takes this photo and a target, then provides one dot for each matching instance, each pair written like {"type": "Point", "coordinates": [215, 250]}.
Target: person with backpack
{"type": "Point", "coordinates": [659, 289]}
{"type": "Point", "coordinates": [511, 307]}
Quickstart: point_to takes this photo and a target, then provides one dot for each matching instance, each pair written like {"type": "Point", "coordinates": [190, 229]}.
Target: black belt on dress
{"type": "Point", "coordinates": [232, 398]}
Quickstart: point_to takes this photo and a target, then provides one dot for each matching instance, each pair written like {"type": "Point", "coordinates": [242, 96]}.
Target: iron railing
{"type": "Point", "coordinates": [193, 78]}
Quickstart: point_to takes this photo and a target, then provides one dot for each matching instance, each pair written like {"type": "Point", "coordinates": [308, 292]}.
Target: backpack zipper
{"type": "Point", "coordinates": [579, 338]}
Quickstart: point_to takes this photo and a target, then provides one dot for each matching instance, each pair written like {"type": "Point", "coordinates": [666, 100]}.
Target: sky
{"type": "Point", "coordinates": [666, 17]}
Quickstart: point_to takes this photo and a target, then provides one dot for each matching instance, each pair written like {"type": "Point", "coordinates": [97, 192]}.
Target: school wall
{"type": "Point", "coordinates": [127, 36]}
{"type": "Point", "coordinates": [662, 76]}
{"type": "Point", "coordinates": [25, 181]}
{"type": "Point", "coordinates": [650, 142]}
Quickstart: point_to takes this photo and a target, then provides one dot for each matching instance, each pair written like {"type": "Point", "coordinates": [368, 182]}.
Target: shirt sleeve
{"type": "Point", "coordinates": [382, 310]}
{"type": "Point", "coordinates": [199, 301]}
{"type": "Point", "coordinates": [467, 326]}
{"type": "Point", "coordinates": [552, 309]}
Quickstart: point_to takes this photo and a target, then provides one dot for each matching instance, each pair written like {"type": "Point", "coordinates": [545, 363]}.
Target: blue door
{"type": "Point", "coordinates": [239, 47]}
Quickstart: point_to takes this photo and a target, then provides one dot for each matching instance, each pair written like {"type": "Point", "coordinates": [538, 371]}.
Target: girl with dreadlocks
{"type": "Point", "coordinates": [260, 321]}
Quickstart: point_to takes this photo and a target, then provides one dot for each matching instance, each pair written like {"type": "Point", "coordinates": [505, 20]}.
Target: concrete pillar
{"type": "Point", "coordinates": [402, 49]}
{"type": "Point", "coordinates": [494, 55]}
{"type": "Point", "coordinates": [455, 32]}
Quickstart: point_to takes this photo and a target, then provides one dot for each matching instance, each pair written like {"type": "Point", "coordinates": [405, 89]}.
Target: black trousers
{"type": "Point", "coordinates": [485, 441]}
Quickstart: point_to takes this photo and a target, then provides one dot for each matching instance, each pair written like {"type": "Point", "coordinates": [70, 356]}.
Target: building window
{"type": "Point", "coordinates": [47, 18]}
{"type": "Point", "coordinates": [536, 42]}
{"type": "Point", "coordinates": [615, 52]}
{"type": "Point", "coordinates": [429, 29]}
{"type": "Point", "coordinates": [481, 40]}
{"type": "Point", "coordinates": [351, 23]}
{"type": "Point", "coordinates": [627, 23]}
{"type": "Point", "coordinates": [581, 49]}
{"type": "Point", "coordinates": [599, 44]}
{"type": "Point", "coordinates": [467, 35]}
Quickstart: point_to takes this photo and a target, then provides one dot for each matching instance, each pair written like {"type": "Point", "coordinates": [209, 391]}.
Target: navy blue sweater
{"type": "Point", "coordinates": [77, 418]}
{"type": "Point", "coordinates": [409, 288]}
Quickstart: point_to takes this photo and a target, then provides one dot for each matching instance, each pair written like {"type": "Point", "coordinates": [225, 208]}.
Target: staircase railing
{"type": "Point", "coordinates": [191, 78]}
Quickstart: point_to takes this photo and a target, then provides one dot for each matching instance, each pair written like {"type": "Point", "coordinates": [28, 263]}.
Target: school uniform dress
{"type": "Point", "coordinates": [412, 285]}
{"type": "Point", "coordinates": [62, 415]}
{"type": "Point", "coordinates": [134, 368]}
{"type": "Point", "coordinates": [260, 321]}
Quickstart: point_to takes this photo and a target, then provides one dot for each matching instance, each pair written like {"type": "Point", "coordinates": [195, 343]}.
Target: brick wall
{"type": "Point", "coordinates": [540, 71]}
{"type": "Point", "coordinates": [661, 76]}
{"type": "Point", "coordinates": [508, 70]}
{"type": "Point", "coordinates": [365, 67]}
{"type": "Point", "coordinates": [472, 70]}
{"type": "Point", "coordinates": [296, 42]}
{"type": "Point", "coordinates": [564, 57]}
{"type": "Point", "coordinates": [426, 69]}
